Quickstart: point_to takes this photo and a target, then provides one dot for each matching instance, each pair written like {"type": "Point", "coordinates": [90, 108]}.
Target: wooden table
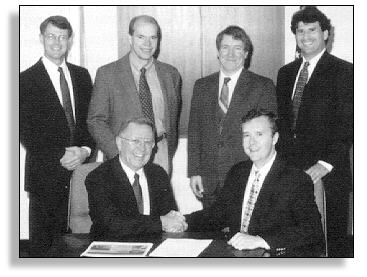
{"type": "Point", "coordinates": [72, 245]}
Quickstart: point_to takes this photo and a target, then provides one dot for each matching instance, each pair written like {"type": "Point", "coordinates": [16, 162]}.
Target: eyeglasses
{"type": "Point", "coordinates": [139, 142]}
{"type": "Point", "coordinates": [52, 37]}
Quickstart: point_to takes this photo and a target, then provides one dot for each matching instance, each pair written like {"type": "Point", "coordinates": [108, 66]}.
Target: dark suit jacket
{"type": "Point", "coordinates": [43, 127]}
{"type": "Point", "coordinates": [324, 128]}
{"type": "Point", "coordinates": [112, 204]}
{"type": "Point", "coordinates": [115, 99]}
{"type": "Point", "coordinates": [211, 154]}
{"type": "Point", "coordinates": [285, 214]}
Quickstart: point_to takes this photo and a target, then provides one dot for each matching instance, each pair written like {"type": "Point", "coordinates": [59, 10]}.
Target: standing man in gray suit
{"type": "Point", "coordinates": [218, 103]}
{"type": "Point", "coordinates": [137, 85]}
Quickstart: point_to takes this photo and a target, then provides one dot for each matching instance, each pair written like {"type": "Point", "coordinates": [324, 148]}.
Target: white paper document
{"type": "Point", "coordinates": [180, 248]}
{"type": "Point", "coordinates": [117, 249]}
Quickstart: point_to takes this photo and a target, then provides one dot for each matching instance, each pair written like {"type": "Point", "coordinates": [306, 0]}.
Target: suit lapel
{"type": "Point", "coordinates": [212, 102]}
{"type": "Point", "coordinates": [163, 79]}
{"type": "Point", "coordinates": [240, 99]}
{"type": "Point", "coordinates": [123, 186]}
{"type": "Point", "coordinates": [73, 76]}
{"type": "Point", "coordinates": [293, 77]}
{"type": "Point", "coordinates": [311, 93]}
{"type": "Point", "coordinates": [43, 81]}
{"type": "Point", "coordinates": [151, 186]}
{"type": "Point", "coordinates": [322, 65]}
{"type": "Point", "coordinates": [48, 91]}
{"type": "Point", "coordinates": [125, 80]}
{"type": "Point", "coordinates": [266, 196]}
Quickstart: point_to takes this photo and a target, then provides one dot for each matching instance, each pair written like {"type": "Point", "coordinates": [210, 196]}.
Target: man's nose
{"type": "Point", "coordinates": [148, 42]}
{"type": "Point", "coordinates": [252, 141]}
{"type": "Point", "coordinates": [231, 52]}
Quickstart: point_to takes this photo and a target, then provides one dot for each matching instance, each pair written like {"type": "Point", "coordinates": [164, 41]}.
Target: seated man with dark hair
{"type": "Point", "coordinates": [266, 203]}
{"type": "Point", "coordinates": [129, 195]}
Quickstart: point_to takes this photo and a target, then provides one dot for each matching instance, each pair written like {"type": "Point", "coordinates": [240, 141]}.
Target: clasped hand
{"type": "Point", "coordinates": [242, 241]}
{"type": "Point", "coordinates": [173, 222]}
{"type": "Point", "coordinates": [73, 157]}
{"type": "Point", "coordinates": [316, 172]}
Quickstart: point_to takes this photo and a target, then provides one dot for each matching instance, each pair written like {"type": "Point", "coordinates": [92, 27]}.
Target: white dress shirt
{"type": "Point", "coordinates": [53, 71]}
{"type": "Point", "coordinates": [143, 184]}
{"type": "Point", "coordinates": [263, 172]}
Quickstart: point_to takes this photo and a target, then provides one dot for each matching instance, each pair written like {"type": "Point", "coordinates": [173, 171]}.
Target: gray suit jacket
{"type": "Point", "coordinates": [211, 153]}
{"type": "Point", "coordinates": [115, 99]}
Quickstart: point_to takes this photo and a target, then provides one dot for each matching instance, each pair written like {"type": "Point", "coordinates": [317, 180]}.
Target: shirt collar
{"type": "Point", "coordinates": [50, 66]}
{"type": "Point", "coordinates": [234, 77]}
{"type": "Point", "coordinates": [129, 172]}
{"type": "Point", "coordinates": [266, 168]}
{"type": "Point", "coordinates": [137, 65]}
{"type": "Point", "coordinates": [315, 59]}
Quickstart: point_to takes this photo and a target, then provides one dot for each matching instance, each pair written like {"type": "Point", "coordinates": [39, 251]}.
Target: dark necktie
{"type": "Point", "coordinates": [254, 193]}
{"type": "Point", "coordinates": [224, 94]}
{"type": "Point", "coordinates": [138, 193]}
{"type": "Point", "coordinates": [66, 103]}
{"type": "Point", "coordinates": [145, 97]}
{"type": "Point", "coordinates": [297, 98]}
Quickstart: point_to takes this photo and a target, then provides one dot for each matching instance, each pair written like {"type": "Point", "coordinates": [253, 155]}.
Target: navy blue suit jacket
{"type": "Point", "coordinates": [285, 213]}
{"type": "Point", "coordinates": [43, 128]}
{"type": "Point", "coordinates": [324, 128]}
{"type": "Point", "coordinates": [112, 204]}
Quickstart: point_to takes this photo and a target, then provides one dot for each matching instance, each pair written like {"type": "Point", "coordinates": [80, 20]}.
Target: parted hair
{"type": "Point", "coordinates": [59, 21]}
{"type": "Point", "coordinates": [255, 113]}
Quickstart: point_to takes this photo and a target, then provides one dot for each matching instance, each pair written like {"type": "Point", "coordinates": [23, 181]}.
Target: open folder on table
{"type": "Point", "coordinates": [117, 249]}
{"type": "Point", "coordinates": [180, 248]}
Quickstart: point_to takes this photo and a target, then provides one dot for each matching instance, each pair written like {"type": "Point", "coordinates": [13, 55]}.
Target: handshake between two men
{"type": "Point", "coordinates": [173, 222]}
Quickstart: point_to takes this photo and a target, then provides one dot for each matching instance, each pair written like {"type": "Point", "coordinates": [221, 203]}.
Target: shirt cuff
{"type": "Point", "coordinates": [328, 166]}
{"type": "Point", "coordinates": [88, 149]}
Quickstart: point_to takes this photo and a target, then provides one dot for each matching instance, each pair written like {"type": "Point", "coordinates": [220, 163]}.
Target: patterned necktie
{"type": "Point", "coordinates": [145, 97]}
{"type": "Point", "coordinates": [301, 82]}
{"type": "Point", "coordinates": [138, 193]}
{"type": "Point", "coordinates": [66, 103]}
{"type": "Point", "coordinates": [254, 192]}
{"type": "Point", "coordinates": [224, 94]}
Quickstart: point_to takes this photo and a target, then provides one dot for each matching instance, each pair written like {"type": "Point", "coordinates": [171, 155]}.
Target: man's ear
{"type": "Point", "coordinates": [118, 143]}
{"type": "Point", "coordinates": [326, 34]}
{"type": "Point", "coordinates": [275, 138]}
{"type": "Point", "coordinates": [41, 38]}
{"type": "Point", "coordinates": [70, 42]}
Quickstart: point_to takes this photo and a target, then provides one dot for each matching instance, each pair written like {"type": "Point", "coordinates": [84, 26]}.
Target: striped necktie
{"type": "Point", "coordinates": [297, 98]}
{"type": "Point", "coordinates": [224, 94]}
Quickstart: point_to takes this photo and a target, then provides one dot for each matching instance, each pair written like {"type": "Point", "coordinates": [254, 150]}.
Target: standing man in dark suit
{"type": "Point", "coordinates": [129, 196]}
{"type": "Point", "coordinates": [53, 105]}
{"type": "Point", "coordinates": [264, 202]}
{"type": "Point", "coordinates": [218, 103]}
{"type": "Point", "coordinates": [315, 99]}
{"type": "Point", "coordinates": [137, 85]}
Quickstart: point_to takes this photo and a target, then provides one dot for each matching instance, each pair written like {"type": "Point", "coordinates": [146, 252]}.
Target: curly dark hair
{"type": "Point", "coordinates": [310, 14]}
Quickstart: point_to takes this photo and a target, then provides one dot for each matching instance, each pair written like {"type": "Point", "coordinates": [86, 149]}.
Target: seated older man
{"type": "Point", "coordinates": [128, 195]}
